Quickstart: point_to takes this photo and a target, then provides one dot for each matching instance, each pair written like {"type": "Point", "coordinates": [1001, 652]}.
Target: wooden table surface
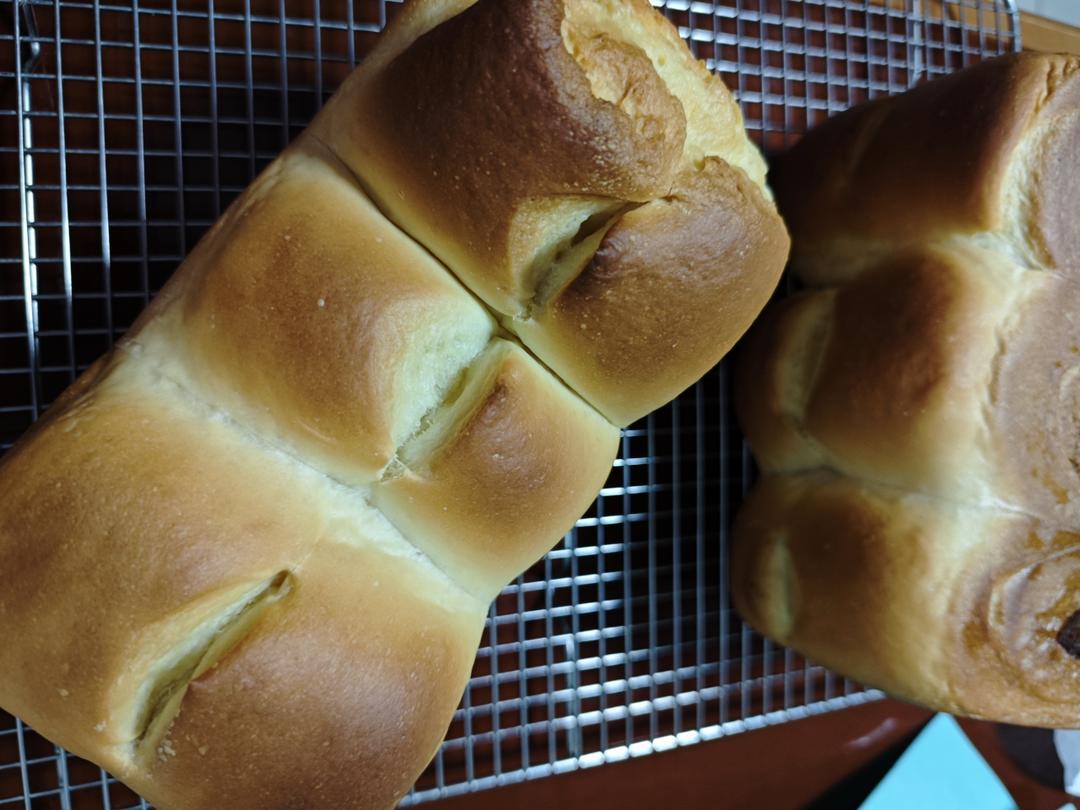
{"type": "Point", "coordinates": [828, 762]}
{"type": "Point", "coordinates": [1041, 34]}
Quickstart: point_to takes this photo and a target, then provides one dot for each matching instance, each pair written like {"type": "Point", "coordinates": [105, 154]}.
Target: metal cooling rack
{"type": "Point", "coordinates": [622, 641]}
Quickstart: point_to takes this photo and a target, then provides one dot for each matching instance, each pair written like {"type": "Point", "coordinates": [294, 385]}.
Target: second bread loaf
{"type": "Point", "coordinates": [915, 409]}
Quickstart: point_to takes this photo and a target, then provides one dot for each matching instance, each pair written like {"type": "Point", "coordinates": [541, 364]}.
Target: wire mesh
{"type": "Point", "coordinates": [126, 128]}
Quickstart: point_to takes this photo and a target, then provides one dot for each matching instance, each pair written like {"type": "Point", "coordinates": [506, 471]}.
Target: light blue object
{"type": "Point", "coordinates": [940, 770]}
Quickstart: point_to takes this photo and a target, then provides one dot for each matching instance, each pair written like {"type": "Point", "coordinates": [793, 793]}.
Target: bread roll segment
{"type": "Point", "coordinates": [277, 284]}
{"type": "Point", "coordinates": [129, 548]}
{"type": "Point", "coordinates": [354, 676]}
{"type": "Point", "coordinates": [496, 182]}
{"type": "Point", "coordinates": [702, 245]}
{"type": "Point", "coordinates": [519, 465]}
{"type": "Point", "coordinates": [872, 555]}
{"type": "Point", "coordinates": [246, 558]}
{"type": "Point", "coordinates": [899, 590]}
{"type": "Point", "coordinates": [883, 383]}
{"type": "Point", "coordinates": [914, 412]}
{"type": "Point", "coordinates": [981, 153]}
{"type": "Point", "coordinates": [609, 125]}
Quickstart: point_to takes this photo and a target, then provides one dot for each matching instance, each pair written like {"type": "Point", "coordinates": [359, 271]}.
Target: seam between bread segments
{"type": "Point", "coordinates": [254, 437]}
{"type": "Point", "coordinates": [827, 463]}
{"type": "Point", "coordinates": [499, 318]}
{"type": "Point", "coordinates": [1019, 299]}
{"type": "Point", "coordinates": [883, 251]}
{"type": "Point", "coordinates": [996, 507]}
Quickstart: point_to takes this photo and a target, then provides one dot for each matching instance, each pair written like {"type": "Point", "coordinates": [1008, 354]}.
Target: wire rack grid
{"type": "Point", "coordinates": [126, 128]}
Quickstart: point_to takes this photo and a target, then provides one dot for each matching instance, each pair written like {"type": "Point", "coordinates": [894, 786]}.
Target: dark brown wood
{"type": "Point", "coordinates": [830, 761]}
{"type": "Point", "coordinates": [1041, 34]}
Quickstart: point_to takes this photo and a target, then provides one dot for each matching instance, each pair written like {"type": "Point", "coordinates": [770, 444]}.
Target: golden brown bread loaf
{"type": "Point", "coordinates": [915, 411]}
{"type": "Point", "coordinates": [248, 555]}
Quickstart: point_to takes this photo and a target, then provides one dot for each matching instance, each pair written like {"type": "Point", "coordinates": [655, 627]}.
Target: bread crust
{"type": "Point", "coordinates": [320, 325]}
{"type": "Point", "coordinates": [612, 147]}
{"type": "Point", "coordinates": [665, 277]}
{"type": "Point", "coordinates": [126, 530]}
{"type": "Point", "coordinates": [915, 412]}
{"type": "Point", "coordinates": [247, 557]}
{"type": "Point", "coordinates": [952, 157]}
{"type": "Point", "coordinates": [898, 590]}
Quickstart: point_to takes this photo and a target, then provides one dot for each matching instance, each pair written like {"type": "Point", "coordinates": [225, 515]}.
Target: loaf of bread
{"type": "Point", "coordinates": [915, 410]}
{"type": "Point", "coordinates": [247, 557]}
